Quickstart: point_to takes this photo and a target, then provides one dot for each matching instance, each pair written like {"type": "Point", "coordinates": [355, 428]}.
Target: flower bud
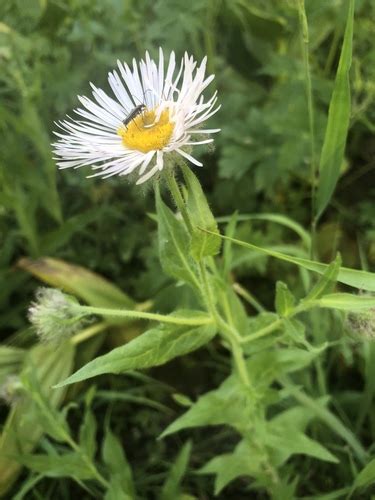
{"type": "Point", "coordinates": [55, 315]}
{"type": "Point", "coordinates": [11, 389]}
{"type": "Point", "coordinates": [362, 324]}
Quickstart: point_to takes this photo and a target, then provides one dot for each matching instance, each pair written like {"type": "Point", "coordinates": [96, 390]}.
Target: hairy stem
{"type": "Point", "coordinates": [162, 318]}
{"type": "Point", "coordinates": [178, 199]}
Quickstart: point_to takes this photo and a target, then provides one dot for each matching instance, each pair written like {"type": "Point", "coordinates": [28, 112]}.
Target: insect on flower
{"type": "Point", "coordinates": [167, 112]}
{"type": "Point", "coordinates": [133, 114]}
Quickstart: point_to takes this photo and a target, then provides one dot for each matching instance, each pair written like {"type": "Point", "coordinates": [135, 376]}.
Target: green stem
{"type": "Point", "coordinates": [277, 323]}
{"type": "Point", "coordinates": [124, 313]}
{"type": "Point", "coordinates": [304, 38]}
{"type": "Point", "coordinates": [245, 294]}
{"type": "Point", "coordinates": [227, 331]}
{"type": "Point", "coordinates": [240, 362]}
{"type": "Point", "coordinates": [178, 199]}
{"type": "Point", "coordinates": [88, 462]}
{"type": "Point", "coordinates": [87, 333]}
{"type": "Point", "coordinates": [263, 331]}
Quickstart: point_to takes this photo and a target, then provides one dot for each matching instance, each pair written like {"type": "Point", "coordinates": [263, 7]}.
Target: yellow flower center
{"type": "Point", "coordinates": [143, 134]}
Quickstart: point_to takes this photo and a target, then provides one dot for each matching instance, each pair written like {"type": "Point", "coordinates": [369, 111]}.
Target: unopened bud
{"type": "Point", "coordinates": [11, 389]}
{"type": "Point", "coordinates": [362, 324]}
{"type": "Point", "coordinates": [55, 315]}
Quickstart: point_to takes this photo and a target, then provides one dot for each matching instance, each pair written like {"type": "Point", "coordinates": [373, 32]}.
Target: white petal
{"type": "Point", "coordinates": [189, 157]}
{"type": "Point", "coordinates": [147, 176]}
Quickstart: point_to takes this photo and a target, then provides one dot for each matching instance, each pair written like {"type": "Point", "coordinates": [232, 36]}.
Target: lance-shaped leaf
{"type": "Point", "coordinates": [121, 482]}
{"type": "Point", "coordinates": [245, 460]}
{"type": "Point", "coordinates": [22, 429]}
{"type": "Point", "coordinates": [353, 277]}
{"type": "Point", "coordinates": [202, 244]}
{"type": "Point", "coordinates": [152, 348]}
{"type": "Point", "coordinates": [92, 288]}
{"type": "Point", "coordinates": [67, 465]}
{"type": "Point", "coordinates": [171, 488]}
{"type": "Point", "coordinates": [347, 302]}
{"type": "Point", "coordinates": [367, 475]}
{"type": "Point", "coordinates": [338, 122]}
{"type": "Point", "coordinates": [174, 243]}
{"type": "Point", "coordinates": [284, 300]}
{"type": "Point", "coordinates": [327, 282]}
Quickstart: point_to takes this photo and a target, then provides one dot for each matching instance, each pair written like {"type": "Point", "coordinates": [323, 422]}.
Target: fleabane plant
{"type": "Point", "coordinates": [150, 128]}
{"type": "Point", "coordinates": [157, 109]}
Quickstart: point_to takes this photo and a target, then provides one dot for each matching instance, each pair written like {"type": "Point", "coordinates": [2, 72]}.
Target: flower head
{"type": "Point", "coordinates": [362, 324]}
{"type": "Point", "coordinates": [55, 315]}
{"type": "Point", "coordinates": [11, 389]}
{"type": "Point", "coordinates": [154, 113]}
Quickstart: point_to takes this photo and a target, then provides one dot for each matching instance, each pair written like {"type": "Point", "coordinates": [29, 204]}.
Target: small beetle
{"type": "Point", "coordinates": [134, 113]}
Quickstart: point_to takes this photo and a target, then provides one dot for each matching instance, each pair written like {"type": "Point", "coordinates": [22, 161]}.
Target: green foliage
{"type": "Point", "coordinates": [121, 480]}
{"type": "Point", "coordinates": [26, 422]}
{"type": "Point", "coordinates": [338, 121]}
{"type": "Point", "coordinates": [154, 347]}
{"type": "Point", "coordinates": [171, 487]}
{"type": "Point", "coordinates": [201, 218]}
{"type": "Point", "coordinates": [358, 279]}
{"type": "Point", "coordinates": [173, 242]}
{"type": "Point", "coordinates": [280, 402]}
{"type": "Point", "coordinates": [284, 300]}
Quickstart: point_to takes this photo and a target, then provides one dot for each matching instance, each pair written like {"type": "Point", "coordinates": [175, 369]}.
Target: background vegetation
{"type": "Point", "coordinates": [49, 51]}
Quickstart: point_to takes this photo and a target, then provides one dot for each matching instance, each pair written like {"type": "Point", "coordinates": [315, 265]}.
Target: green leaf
{"type": "Point", "coordinates": [202, 244]}
{"type": "Point", "coordinates": [118, 465]}
{"type": "Point", "coordinates": [67, 465]}
{"type": "Point", "coordinates": [347, 302]}
{"type": "Point", "coordinates": [275, 218]}
{"type": "Point", "coordinates": [227, 249]}
{"type": "Point", "coordinates": [87, 434]}
{"type": "Point", "coordinates": [245, 460]}
{"type": "Point", "coordinates": [338, 121]}
{"type": "Point", "coordinates": [327, 282]}
{"type": "Point", "coordinates": [231, 307]}
{"type": "Point", "coordinates": [11, 355]}
{"type": "Point", "coordinates": [22, 429]}
{"type": "Point", "coordinates": [295, 329]}
{"type": "Point", "coordinates": [53, 422]}
{"type": "Point", "coordinates": [285, 435]}
{"type": "Point", "coordinates": [11, 359]}
{"type": "Point", "coordinates": [282, 360]}
{"type": "Point", "coordinates": [92, 288]}
{"type": "Point", "coordinates": [353, 277]}
{"type": "Point", "coordinates": [284, 301]}
{"type": "Point", "coordinates": [153, 348]}
{"type": "Point", "coordinates": [366, 476]}
{"type": "Point", "coordinates": [230, 404]}
{"type": "Point", "coordinates": [325, 416]}
{"type": "Point", "coordinates": [173, 244]}
{"type": "Point", "coordinates": [171, 487]}
{"type": "Point", "coordinates": [116, 491]}
{"type": "Point", "coordinates": [288, 442]}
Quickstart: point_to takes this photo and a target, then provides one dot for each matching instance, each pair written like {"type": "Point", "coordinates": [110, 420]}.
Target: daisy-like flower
{"type": "Point", "coordinates": [155, 113]}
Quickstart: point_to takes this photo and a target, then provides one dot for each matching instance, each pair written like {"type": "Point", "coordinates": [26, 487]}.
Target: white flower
{"type": "Point", "coordinates": [168, 110]}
